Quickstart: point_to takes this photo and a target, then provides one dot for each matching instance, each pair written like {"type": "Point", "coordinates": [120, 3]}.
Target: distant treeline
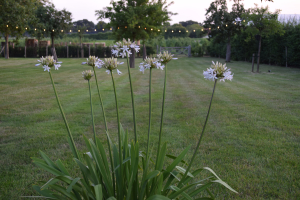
{"type": "Point", "coordinates": [275, 49]}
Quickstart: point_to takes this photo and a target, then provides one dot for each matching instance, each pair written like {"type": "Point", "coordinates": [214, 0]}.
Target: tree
{"type": "Point", "coordinates": [89, 25]}
{"type": "Point", "coordinates": [176, 30]}
{"type": "Point", "coordinates": [54, 22]}
{"type": "Point", "coordinates": [262, 23]}
{"type": "Point", "coordinates": [136, 19]}
{"type": "Point", "coordinates": [187, 23]}
{"type": "Point", "coordinates": [101, 25]}
{"type": "Point", "coordinates": [225, 24]}
{"type": "Point", "coordinates": [14, 18]}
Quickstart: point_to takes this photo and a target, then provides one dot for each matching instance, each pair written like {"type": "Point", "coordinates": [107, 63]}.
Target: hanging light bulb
{"type": "Point", "coordinates": [187, 31]}
{"type": "Point", "coordinates": [118, 27]}
{"type": "Point", "coordinates": [151, 29]}
{"type": "Point", "coordinates": [158, 30]}
{"type": "Point", "coordinates": [145, 28]}
{"type": "Point", "coordinates": [35, 29]}
{"type": "Point", "coordinates": [78, 31]}
{"type": "Point", "coordinates": [44, 29]}
{"type": "Point", "coordinates": [26, 28]}
{"type": "Point", "coordinates": [226, 25]}
{"type": "Point", "coordinates": [110, 28]}
{"type": "Point", "coordinates": [62, 30]}
{"type": "Point", "coordinates": [102, 29]}
{"type": "Point", "coordinates": [201, 29]}
{"type": "Point", "coordinates": [125, 26]}
{"type": "Point", "coordinates": [194, 30]}
{"type": "Point", "coordinates": [53, 30]}
{"type": "Point", "coordinates": [70, 31]}
{"type": "Point", "coordinates": [6, 25]}
{"type": "Point", "coordinates": [16, 27]}
{"type": "Point", "coordinates": [218, 27]}
{"type": "Point", "coordinates": [139, 26]}
{"type": "Point", "coordinates": [179, 31]}
{"type": "Point", "coordinates": [95, 29]}
{"type": "Point", "coordinates": [165, 30]}
{"type": "Point", "coordinates": [87, 30]}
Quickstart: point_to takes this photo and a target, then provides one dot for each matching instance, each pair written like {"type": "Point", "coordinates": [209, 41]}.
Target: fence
{"type": "Point", "coordinates": [178, 50]}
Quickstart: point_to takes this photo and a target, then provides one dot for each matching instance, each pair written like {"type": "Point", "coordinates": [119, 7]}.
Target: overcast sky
{"type": "Point", "coordinates": [186, 9]}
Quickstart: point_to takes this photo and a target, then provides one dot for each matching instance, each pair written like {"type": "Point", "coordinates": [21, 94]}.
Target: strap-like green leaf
{"type": "Point", "coordinates": [224, 184]}
{"type": "Point", "coordinates": [45, 193]}
{"type": "Point", "coordinates": [161, 157]}
{"type": "Point", "coordinates": [98, 192]}
{"type": "Point", "coordinates": [182, 171]}
{"type": "Point", "coordinates": [48, 168]}
{"type": "Point", "coordinates": [62, 167]}
{"type": "Point", "coordinates": [158, 197]}
{"type": "Point", "coordinates": [69, 189]}
{"type": "Point", "coordinates": [48, 160]}
{"type": "Point", "coordinates": [175, 162]}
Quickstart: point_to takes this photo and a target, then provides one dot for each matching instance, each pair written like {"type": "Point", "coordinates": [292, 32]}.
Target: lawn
{"type": "Point", "coordinates": [251, 141]}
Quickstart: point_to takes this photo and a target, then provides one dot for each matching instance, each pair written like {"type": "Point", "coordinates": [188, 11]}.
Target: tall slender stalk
{"type": "Point", "coordinates": [162, 116]}
{"type": "Point", "coordinates": [65, 120]}
{"type": "Point", "coordinates": [92, 113]}
{"type": "Point", "coordinates": [106, 129]}
{"type": "Point", "coordinates": [101, 103]}
{"type": "Point", "coordinates": [150, 104]}
{"type": "Point", "coordinates": [190, 164]}
{"type": "Point", "coordinates": [132, 100]}
{"type": "Point", "coordinates": [119, 135]}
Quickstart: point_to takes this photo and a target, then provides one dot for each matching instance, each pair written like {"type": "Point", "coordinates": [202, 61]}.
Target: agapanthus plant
{"type": "Point", "coordinates": [123, 49]}
{"type": "Point", "coordinates": [130, 175]}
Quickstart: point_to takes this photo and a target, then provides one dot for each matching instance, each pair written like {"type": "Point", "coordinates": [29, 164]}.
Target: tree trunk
{"type": "Point", "coordinates": [6, 47]}
{"type": "Point", "coordinates": [258, 54]}
{"type": "Point", "coordinates": [53, 49]}
{"type": "Point", "coordinates": [144, 51]}
{"type": "Point", "coordinates": [228, 51]}
{"type": "Point", "coordinates": [132, 59]}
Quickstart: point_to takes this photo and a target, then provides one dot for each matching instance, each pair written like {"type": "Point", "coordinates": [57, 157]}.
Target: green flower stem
{"type": "Point", "coordinates": [119, 133]}
{"type": "Point", "coordinates": [99, 94]}
{"type": "Point", "coordinates": [150, 103]}
{"type": "Point", "coordinates": [65, 120]}
{"type": "Point", "coordinates": [185, 174]}
{"type": "Point", "coordinates": [162, 116]}
{"type": "Point", "coordinates": [92, 113]}
{"type": "Point", "coordinates": [106, 128]}
{"type": "Point", "coordinates": [132, 100]}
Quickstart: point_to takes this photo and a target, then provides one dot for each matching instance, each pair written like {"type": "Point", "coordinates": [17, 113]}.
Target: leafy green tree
{"type": "Point", "coordinates": [14, 18]}
{"type": "Point", "coordinates": [89, 25]}
{"type": "Point", "coordinates": [187, 23]}
{"type": "Point", "coordinates": [224, 24]}
{"type": "Point", "coordinates": [262, 23]}
{"type": "Point", "coordinates": [102, 25]}
{"type": "Point", "coordinates": [54, 22]}
{"type": "Point", "coordinates": [136, 19]}
{"type": "Point", "coordinates": [176, 30]}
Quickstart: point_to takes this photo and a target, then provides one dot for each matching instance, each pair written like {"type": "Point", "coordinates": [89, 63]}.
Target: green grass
{"type": "Point", "coordinates": [251, 140]}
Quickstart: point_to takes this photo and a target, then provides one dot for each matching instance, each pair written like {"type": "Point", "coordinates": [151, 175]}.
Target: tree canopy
{"type": "Point", "coordinates": [136, 19]}
{"type": "Point", "coordinates": [15, 15]}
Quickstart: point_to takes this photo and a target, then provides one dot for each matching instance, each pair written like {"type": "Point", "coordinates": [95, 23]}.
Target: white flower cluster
{"type": "Point", "coordinates": [87, 74]}
{"type": "Point", "coordinates": [93, 61]}
{"type": "Point", "coordinates": [124, 48]}
{"type": "Point", "coordinates": [150, 63]}
{"type": "Point", "coordinates": [165, 57]}
{"type": "Point", "coordinates": [218, 71]}
{"type": "Point", "coordinates": [48, 62]}
{"type": "Point", "coordinates": [110, 64]}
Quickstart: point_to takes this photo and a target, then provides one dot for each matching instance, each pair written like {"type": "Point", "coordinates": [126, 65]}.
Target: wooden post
{"type": "Point", "coordinates": [25, 50]}
{"type": "Point", "coordinates": [77, 52]}
{"type": "Point", "coordinates": [253, 56]}
{"type": "Point", "coordinates": [89, 51]}
{"type": "Point", "coordinates": [189, 51]}
{"type": "Point", "coordinates": [47, 49]}
{"type": "Point", "coordinates": [67, 51]}
{"type": "Point", "coordinates": [286, 57]}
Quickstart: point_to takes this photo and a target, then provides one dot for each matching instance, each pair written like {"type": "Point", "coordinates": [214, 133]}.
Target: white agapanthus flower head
{"type": "Point", "coordinates": [150, 63]}
{"type": "Point", "coordinates": [48, 62]}
{"type": "Point", "coordinates": [93, 61]}
{"type": "Point", "coordinates": [218, 71]}
{"type": "Point", "coordinates": [111, 64]}
{"type": "Point", "coordinates": [165, 57]}
{"type": "Point", "coordinates": [124, 48]}
{"type": "Point", "coordinates": [87, 74]}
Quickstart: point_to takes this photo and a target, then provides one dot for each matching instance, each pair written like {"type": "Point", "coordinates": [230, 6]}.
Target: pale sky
{"type": "Point", "coordinates": [186, 9]}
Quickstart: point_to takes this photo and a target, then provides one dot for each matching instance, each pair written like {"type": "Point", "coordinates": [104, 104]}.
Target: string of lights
{"type": "Point", "coordinates": [158, 30]}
